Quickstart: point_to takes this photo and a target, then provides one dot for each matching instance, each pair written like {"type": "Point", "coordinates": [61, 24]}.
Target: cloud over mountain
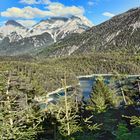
{"type": "Point", "coordinates": [27, 23]}
{"type": "Point", "coordinates": [108, 14]}
{"type": "Point", "coordinates": [26, 12]}
{"type": "Point", "coordinates": [51, 9]}
{"type": "Point", "coordinates": [30, 2]}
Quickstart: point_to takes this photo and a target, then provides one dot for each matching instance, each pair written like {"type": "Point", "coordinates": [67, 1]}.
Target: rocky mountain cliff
{"type": "Point", "coordinates": [15, 39]}
{"type": "Point", "coordinates": [121, 33]}
{"type": "Point", "coordinates": [12, 30]}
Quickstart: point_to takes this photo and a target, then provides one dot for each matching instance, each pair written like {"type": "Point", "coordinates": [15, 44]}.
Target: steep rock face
{"type": "Point", "coordinates": [59, 27]}
{"type": "Point", "coordinates": [13, 30]}
{"type": "Point", "coordinates": [14, 23]}
{"type": "Point", "coordinates": [23, 46]}
{"type": "Point", "coordinates": [122, 32]}
{"type": "Point", "coordinates": [14, 36]}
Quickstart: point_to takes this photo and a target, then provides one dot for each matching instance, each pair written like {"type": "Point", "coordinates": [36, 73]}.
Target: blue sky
{"type": "Point", "coordinates": [28, 12]}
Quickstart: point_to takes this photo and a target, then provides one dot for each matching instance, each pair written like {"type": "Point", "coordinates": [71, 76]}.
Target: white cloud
{"type": "Point", "coordinates": [30, 2]}
{"type": "Point", "coordinates": [26, 13]}
{"type": "Point", "coordinates": [53, 9]}
{"type": "Point", "coordinates": [59, 9]}
{"type": "Point", "coordinates": [108, 14]}
{"type": "Point", "coordinates": [46, 1]}
{"type": "Point", "coordinates": [27, 23]}
{"type": "Point", "coordinates": [90, 3]}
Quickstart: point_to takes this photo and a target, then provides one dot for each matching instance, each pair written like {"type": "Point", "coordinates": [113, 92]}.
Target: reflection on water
{"type": "Point", "coordinates": [86, 86]}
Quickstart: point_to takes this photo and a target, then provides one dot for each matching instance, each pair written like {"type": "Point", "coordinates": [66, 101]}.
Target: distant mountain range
{"type": "Point", "coordinates": [62, 36]}
{"type": "Point", "coordinates": [15, 39]}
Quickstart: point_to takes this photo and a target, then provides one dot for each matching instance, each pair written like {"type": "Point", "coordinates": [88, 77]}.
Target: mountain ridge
{"type": "Point", "coordinates": [120, 33]}
{"type": "Point", "coordinates": [64, 36]}
{"type": "Point", "coordinates": [14, 23]}
{"type": "Point", "coordinates": [14, 35]}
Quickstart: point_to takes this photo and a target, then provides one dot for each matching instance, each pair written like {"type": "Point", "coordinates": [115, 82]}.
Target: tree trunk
{"type": "Point", "coordinates": [123, 94]}
{"type": "Point", "coordinates": [66, 105]}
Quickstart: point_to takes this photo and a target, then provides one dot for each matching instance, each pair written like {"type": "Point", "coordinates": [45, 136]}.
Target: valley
{"type": "Point", "coordinates": [65, 78]}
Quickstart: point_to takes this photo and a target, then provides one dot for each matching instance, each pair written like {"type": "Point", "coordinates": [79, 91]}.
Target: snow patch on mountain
{"type": "Point", "coordinates": [113, 35]}
{"type": "Point", "coordinates": [60, 27]}
{"type": "Point", "coordinates": [136, 25]}
{"type": "Point", "coordinates": [13, 30]}
{"type": "Point", "coordinates": [57, 27]}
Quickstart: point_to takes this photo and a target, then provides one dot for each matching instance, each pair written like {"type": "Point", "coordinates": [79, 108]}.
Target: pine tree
{"type": "Point", "coordinates": [102, 97]}
{"type": "Point", "coordinates": [18, 119]}
{"type": "Point", "coordinates": [66, 112]}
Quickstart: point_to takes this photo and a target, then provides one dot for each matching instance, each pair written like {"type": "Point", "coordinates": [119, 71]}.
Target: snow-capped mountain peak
{"type": "Point", "coordinates": [13, 23]}
{"type": "Point", "coordinates": [12, 28]}
{"type": "Point", "coordinates": [59, 27]}
{"type": "Point", "coordinates": [86, 21]}
{"type": "Point", "coordinates": [44, 33]}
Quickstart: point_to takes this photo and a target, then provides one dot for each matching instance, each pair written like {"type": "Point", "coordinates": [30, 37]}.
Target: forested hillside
{"type": "Point", "coordinates": [110, 113]}
{"type": "Point", "coordinates": [48, 72]}
{"type": "Point", "coordinates": [120, 33]}
{"type": "Point", "coordinates": [61, 80]}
